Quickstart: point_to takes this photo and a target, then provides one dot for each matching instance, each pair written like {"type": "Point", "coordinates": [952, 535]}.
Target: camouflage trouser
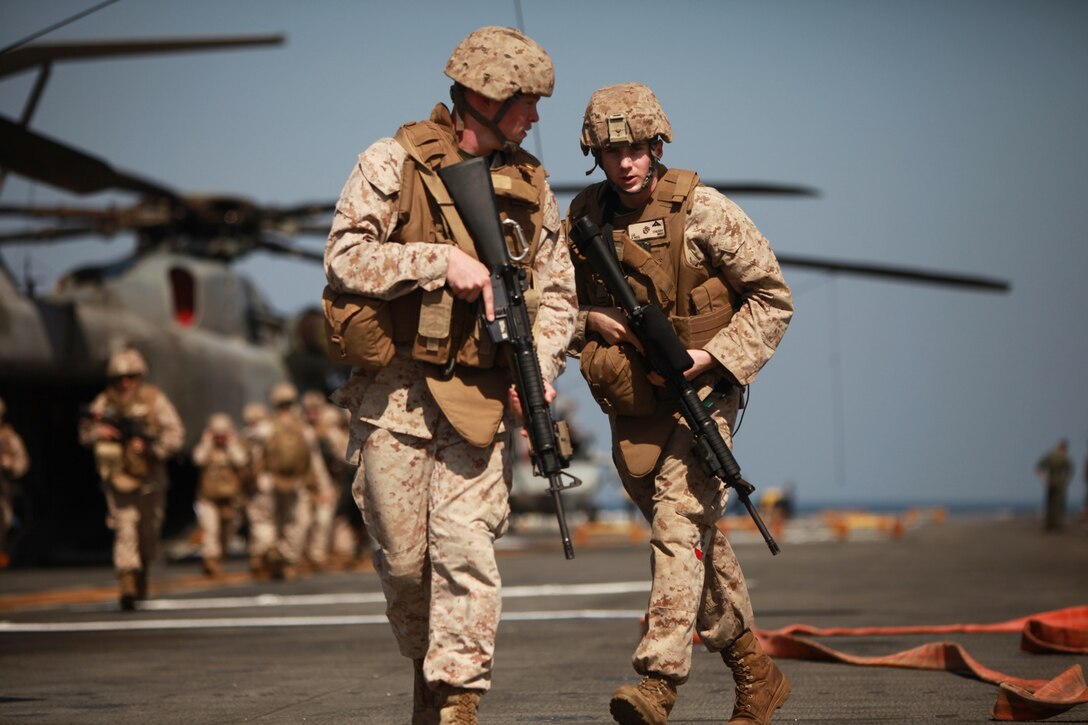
{"type": "Point", "coordinates": [136, 520]}
{"type": "Point", "coordinates": [682, 504]}
{"type": "Point", "coordinates": [218, 524]}
{"type": "Point", "coordinates": [319, 537]}
{"type": "Point", "coordinates": [278, 523]}
{"type": "Point", "coordinates": [260, 519]}
{"type": "Point", "coordinates": [435, 507]}
{"type": "Point", "coordinates": [7, 516]}
{"type": "Point", "coordinates": [1054, 518]}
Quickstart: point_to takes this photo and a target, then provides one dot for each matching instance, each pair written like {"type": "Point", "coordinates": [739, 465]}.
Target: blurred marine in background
{"type": "Point", "coordinates": [14, 463]}
{"type": "Point", "coordinates": [1055, 470]}
{"type": "Point", "coordinates": [224, 469]}
{"type": "Point", "coordinates": [133, 429]}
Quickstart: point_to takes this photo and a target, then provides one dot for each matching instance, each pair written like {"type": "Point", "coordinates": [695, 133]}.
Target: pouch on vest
{"type": "Point", "coordinates": [713, 309]}
{"type": "Point", "coordinates": [473, 401]}
{"type": "Point", "coordinates": [617, 379]}
{"type": "Point", "coordinates": [434, 334]}
{"type": "Point", "coordinates": [218, 482]}
{"type": "Point", "coordinates": [359, 329]}
{"type": "Point", "coordinates": [287, 456]}
{"type": "Point", "coordinates": [642, 439]}
{"type": "Point", "coordinates": [133, 462]}
{"type": "Point", "coordinates": [109, 459]}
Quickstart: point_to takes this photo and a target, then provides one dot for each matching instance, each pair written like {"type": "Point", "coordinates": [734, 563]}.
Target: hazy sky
{"type": "Point", "coordinates": [942, 135]}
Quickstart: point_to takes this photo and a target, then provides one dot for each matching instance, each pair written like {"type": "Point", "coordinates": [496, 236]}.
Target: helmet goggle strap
{"type": "Point", "coordinates": [461, 104]}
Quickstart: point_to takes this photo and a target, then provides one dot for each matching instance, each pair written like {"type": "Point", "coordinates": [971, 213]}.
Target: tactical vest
{"type": "Point", "coordinates": [119, 463]}
{"type": "Point", "coordinates": [434, 323]}
{"type": "Point", "coordinates": [649, 244]}
{"type": "Point", "coordinates": [287, 455]}
{"type": "Point", "coordinates": [219, 478]}
{"type": "Point", "coordinates": [7, 447]}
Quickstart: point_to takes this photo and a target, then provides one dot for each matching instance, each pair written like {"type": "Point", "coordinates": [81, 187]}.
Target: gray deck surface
{"type": "Point", "coordinates": [319, 650]}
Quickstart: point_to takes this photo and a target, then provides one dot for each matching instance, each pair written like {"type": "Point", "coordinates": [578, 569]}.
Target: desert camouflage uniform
{"type": "Point", "coordinates": [219, 519]}
{"type": "Point", "coordinates": [258, 506]}
{"type": "Point", "coordinates": [284, 518]}
{"type": "Point", "coordinates": [136, 518]}
{"type": "Point", "coordinates": [322, 499]}
{"type": "Point", "coordinates": [14, 463]}
{"type": "Point", "coordinates": [681, 502]}
{"type": "Point", "coordinates": [434, 503]}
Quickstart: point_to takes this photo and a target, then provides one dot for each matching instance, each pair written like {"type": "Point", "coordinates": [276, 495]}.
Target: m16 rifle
{"type": "Point", "coordinates": [127, 426]}
{"type": "Point", "coordinates": [667, 355]}
{"type": "Point", "coordinates": [469, 185]}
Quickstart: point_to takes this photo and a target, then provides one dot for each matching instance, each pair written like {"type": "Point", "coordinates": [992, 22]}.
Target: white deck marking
{"type": "Point", "coordinates": [126, 623]}
{"type": "Point", "coordinates": [129, 625]}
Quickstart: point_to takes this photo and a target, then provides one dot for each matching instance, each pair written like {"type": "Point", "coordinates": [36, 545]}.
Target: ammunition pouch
{"type": "Point", "coordinates": [712, 302]}
{"type": "Point", "coordinates": [220, 483]}
{"type": "Point", "coordinates": [617, 379]}
{"type": "Point", "coordinates": [114, 461]}
{"type": "Point", "coordinates": [359, 330]}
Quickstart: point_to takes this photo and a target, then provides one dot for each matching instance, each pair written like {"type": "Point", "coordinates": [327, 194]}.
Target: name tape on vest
{"type": "Point", "coordinates": [641, 231]}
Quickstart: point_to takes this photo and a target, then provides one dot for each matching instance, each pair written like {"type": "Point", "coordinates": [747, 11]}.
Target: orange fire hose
{"type": "Point", "coordinates": [1059, 631]}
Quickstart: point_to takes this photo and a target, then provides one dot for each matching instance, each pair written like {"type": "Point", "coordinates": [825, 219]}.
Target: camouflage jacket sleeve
{"type": "Point", "coordinates": [558, 303]}
{"type": "Point", "coordinates": [237, 452]}
{"type": "Point", "coordinates": [202, 451]}
{"type": "Point", "coordinates": [357, 256]}
{"type": "Point", "coordinates": [88, 425]}
{"type": "Point", "coordinates": [170, 430]}
{"type": "Point", "coordinates": [14, 460]}
{"type": "Point", "coordinates": [719, 232]}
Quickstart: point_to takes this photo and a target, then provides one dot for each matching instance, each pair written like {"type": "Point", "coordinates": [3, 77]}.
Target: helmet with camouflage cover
{"type": "Point", "coordinates": [625, 113]}
{"type": "Point", "coordinates": [220, 424]}
{"type": "Point", "coordinates": [500, 63]}
{"type": "Point", "coordinates": [283, 394]}
{"type": "Point", "coordinates": [254, 413]}
{"type": "Point", "coordinates": [313, 401]}
{"type": "Point", "coordinates": [127, 361]}
{"type": "Point", "coordinates": [333, 417]}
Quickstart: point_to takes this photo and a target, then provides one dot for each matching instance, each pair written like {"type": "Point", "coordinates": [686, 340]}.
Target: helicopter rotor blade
{"type": "Point", "coordinates": [32, 55]}
{"type": "Point", "coordinates": [299, 210]}
{"type": "Point", "coordinates": [49, 234]}
{"type": "Point", "coordinates": [905, 274]}
{"type": "Point", "coordinates": [729, 188]}
{"type": "Point", "coordinates": [758, 188]}
{"type": "Point", "coordinates": [40, 158]}
{"type": "Point", "coordinates": [57, 212]}
{"type": "Point", "coordinates": [271, 242]}
{"type": "Point", "coordinates": [319, 229]}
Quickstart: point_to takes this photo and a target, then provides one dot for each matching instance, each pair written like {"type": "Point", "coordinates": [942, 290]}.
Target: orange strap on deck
{"type": "Point", "coordinates": [1058, 631]}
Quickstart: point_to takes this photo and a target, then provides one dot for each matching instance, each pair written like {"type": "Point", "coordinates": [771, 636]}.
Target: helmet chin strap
{"type": "Point", "coordinates": [461, 104]}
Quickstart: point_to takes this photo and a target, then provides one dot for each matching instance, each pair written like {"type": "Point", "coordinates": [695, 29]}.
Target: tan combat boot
{"type": "Point", "coordinates": [648, 704]}
{"type": "Point", "coordinates": [141, 584]}
{"type": "Point", "coordinates": [761, 686]}
{"type": "Point", "coordinates": [459, 707]}
{"type": "Point", "coordinates": [424, 705]}
{"type": "Point", "coordinates": [258, 567]}
{"type": "Point", "coordinates": [127, 581]}
{"type": "Point", "coordinates": [212, 568]}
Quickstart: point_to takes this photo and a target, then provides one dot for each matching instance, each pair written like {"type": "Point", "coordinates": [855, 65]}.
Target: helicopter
{"type": "Point", "coordinates": [211, 339]}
